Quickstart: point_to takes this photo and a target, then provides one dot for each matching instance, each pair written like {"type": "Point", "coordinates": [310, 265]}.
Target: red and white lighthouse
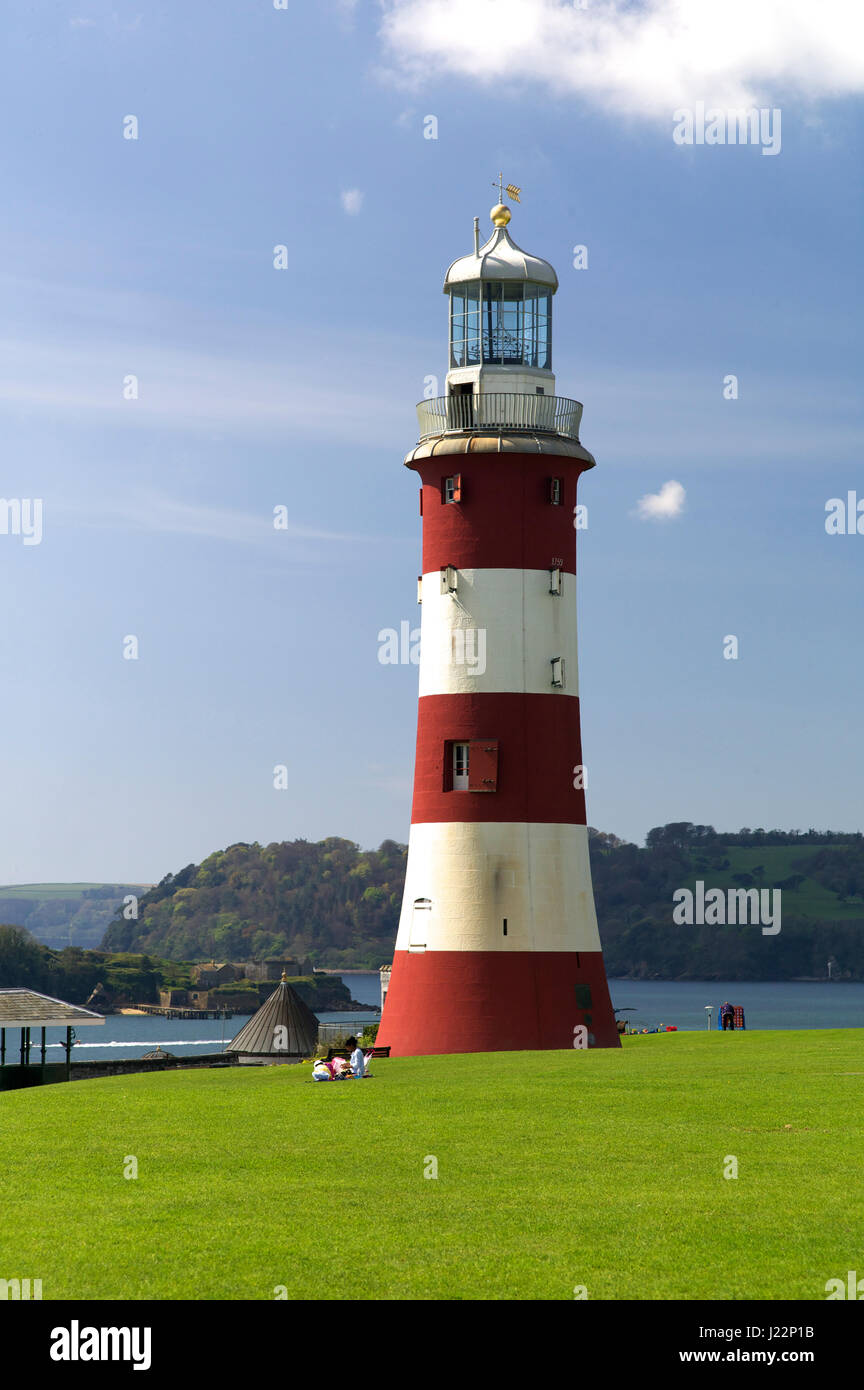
{"type": "Point", "coordinates": [498, 948]}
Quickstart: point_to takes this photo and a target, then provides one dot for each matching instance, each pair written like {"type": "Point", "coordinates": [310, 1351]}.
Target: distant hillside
{"type": "Point", "coordinates": [64, 914]}
{"type": "Point", "coordinates": [820, 876]}
{"type": "Point", "coordinates": [331, 901]}
{"type": "Point", "coordinates": [340, 905]}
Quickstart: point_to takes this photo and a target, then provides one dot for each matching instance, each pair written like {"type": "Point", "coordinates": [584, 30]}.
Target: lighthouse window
{"type": "Point", "coordinates": [453, 488]}
{"type": "Point", "coordinates": [465, 325]}
{"type": "Point", "coordinates": [536, 334]}
{"type": "Point", "coordinates": [460, 767]}
{"type": "Point", "coordinates": [471, 766]}
{"type": "Point", "coordinates": [510, 325]}
{"type": "Point", "coordinates": [558, 671]}
{"type": "Point", "coordinates": [555, 491]}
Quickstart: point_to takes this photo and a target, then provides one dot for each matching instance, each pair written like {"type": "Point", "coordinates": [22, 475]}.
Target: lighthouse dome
{"type": "Point", "coordinates": [501, 259]}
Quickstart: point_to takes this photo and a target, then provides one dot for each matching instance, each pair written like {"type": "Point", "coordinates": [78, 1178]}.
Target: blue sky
{"type": "Point", "coordinates": [260, 388]}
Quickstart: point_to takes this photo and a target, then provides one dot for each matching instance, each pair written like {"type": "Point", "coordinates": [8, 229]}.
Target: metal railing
{"type": "Point", "coordinates": [500, 410]}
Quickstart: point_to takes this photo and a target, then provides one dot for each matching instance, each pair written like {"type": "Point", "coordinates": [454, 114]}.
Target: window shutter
{"type": "Point", "coordinates": [457, 487]}
{"type": "Point", "coordinates": [421, 501]}
{"type": "Point", "coordinates": [483, 765]}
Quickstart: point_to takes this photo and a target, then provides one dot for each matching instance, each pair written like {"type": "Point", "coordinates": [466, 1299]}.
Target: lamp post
{"type": "Point", "coordinates": [709, 1009]}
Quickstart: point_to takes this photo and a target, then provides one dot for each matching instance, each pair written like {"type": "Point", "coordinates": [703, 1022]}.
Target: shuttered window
{"type": "Point", "coordinates": [483, 766]}
{"type": "Point", "coordinates": [452, 491]}
{"type": "Point", "coordinates": [461, 760]}
{"type": "Point", "coordinates": [471, 766]}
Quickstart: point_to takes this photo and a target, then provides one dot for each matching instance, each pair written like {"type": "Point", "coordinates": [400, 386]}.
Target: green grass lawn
{"type": "Point", "coordinates": [602, 1169]}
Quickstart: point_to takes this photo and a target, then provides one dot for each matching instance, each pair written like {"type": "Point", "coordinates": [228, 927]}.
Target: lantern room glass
{"type": "Point", "coordinates": [503, 323]}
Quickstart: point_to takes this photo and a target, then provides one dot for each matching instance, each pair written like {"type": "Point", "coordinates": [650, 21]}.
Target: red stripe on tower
{"type": "Point", "coordinates": [498, 947]}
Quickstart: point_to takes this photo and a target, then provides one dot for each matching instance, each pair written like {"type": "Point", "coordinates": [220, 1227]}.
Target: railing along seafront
{"type": "Point", "coordinates": [500, 410]}
{"type": "Point", "coordinates": [335, 1032]}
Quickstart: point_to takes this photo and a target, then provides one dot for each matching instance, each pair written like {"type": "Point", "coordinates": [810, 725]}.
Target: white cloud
{"type": "Point", "coordinates": [646, 59]}
{"type": "Point", "coordinates": [352, 201]}
{"type": "Point", "coordinates": [662, 505]}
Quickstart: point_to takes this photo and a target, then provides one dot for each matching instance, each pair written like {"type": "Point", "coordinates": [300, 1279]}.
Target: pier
{"type": "Point", "coordinates": [174, 1012]}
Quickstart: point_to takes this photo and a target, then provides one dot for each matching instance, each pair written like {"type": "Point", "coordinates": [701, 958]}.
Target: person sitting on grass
{"type": "Point", "coordinates": [341, 1068]}
{"type": "Point", "coordinates": [321, 1070]}
{"type": "Point", "coordinates": [358, 1059]}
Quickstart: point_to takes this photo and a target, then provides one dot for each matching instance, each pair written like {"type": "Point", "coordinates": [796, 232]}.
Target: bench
{"type": "Point", "coordinates": [346, 1052]}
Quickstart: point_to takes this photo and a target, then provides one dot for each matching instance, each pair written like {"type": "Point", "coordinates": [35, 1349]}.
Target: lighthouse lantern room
{"type": "Point", "coordinates": [497, 947]}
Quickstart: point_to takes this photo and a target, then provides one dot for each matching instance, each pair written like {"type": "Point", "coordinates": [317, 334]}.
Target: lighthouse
{"type": "Point", "coordinates": [498, 948]}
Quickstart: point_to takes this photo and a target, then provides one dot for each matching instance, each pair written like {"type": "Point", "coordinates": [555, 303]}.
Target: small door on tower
{"type": "Point", "coordinates": [460, 405]}
{"type": "Point", "coordinates": [420, 915]}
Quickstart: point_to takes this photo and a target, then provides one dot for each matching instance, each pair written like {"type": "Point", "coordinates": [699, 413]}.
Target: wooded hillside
{"type": "Point", "coordinates": [340, 905]}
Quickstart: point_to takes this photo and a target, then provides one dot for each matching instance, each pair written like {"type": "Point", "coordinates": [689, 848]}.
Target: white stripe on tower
{"type": "Point", "coordinates": [478, 875]}
{"type": "Point", "coordinates": [498, 632]}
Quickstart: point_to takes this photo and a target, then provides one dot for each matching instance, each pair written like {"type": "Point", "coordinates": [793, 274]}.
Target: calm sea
{"type": "Point", "coordinates": [652, 1002]}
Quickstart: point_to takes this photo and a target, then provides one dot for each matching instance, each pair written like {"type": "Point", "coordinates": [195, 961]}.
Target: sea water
{"type": "Point", "coordinates": [649, 1003]}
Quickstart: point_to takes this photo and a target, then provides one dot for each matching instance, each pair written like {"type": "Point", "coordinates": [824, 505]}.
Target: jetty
{"type": "Point", "coordinates": [172, 1011]}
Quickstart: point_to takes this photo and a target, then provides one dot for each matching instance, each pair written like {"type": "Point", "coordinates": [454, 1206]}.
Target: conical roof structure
{"type": "Point", "coordinates": [283, 1029]}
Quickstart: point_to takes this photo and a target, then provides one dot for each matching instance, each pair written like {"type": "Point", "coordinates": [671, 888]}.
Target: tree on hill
{"type": "Point", "coordinates": [330, 900]}
{"type": "Point", "coordinates": [339, 905]}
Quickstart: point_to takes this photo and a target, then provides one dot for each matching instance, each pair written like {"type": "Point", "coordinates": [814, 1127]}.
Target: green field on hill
{"type": "Point", "coordinates": [45, 890]}
{"type": "Point", "coordinates": [601, 1169]}
{"type": "Point", "coordinates": [809, 899]}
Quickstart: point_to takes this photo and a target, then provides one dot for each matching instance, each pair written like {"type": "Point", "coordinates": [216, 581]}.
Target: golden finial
{"type": "Point", "coordinates": [500, 214]}
{"type": "Point", "coordinates": [284, 976]}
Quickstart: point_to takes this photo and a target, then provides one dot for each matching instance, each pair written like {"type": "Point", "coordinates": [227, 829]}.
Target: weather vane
{"type": "Point", "coordinates": [511, 189]}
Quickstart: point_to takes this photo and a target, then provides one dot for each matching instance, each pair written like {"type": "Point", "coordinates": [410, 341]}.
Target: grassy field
{"type": "Point", "coordinates": [46, 891]}
{"type": "Point", "coordinates": [810, 899]}
{"type": "Point", "coordinates": [602, 1169]}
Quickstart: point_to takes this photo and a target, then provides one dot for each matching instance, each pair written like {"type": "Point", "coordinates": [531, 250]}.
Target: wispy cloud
{"type": "Point", "coordinates": [641, 59]}
{"type": "Point", "coordinates": [192, 389]}
{"type": "Point", "coordinates": [352, 201]}
{"type": "Point", "coordinates": [157, 512]}
{"type": "Point", "coordinates": [662, 505]}
{"type": "Point", "coordinates": [68, 353]}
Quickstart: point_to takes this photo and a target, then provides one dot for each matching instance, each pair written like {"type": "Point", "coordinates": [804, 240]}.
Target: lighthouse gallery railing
{"type": "Point", "coordinates": [500, 410]}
